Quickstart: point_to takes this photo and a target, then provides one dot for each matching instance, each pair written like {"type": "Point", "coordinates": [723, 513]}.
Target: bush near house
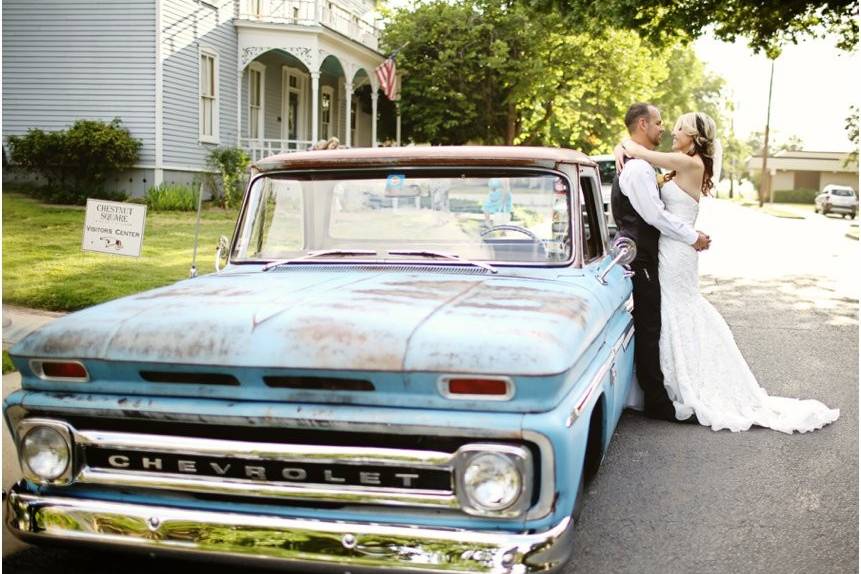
{"type": "Point", "coordinates": [231, 163]}
{"type": "Point", "coordinates": [172, 197]}
{"type": "Point", "coordinates": [76, 163]}
{"type": "Point", "coordinates": [795, 195]}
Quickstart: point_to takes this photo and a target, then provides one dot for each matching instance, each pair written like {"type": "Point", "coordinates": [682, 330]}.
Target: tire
{"type": "Point", "coordinates": [578, 501]}
{"type": "Point", "coordinates": [852, 215]}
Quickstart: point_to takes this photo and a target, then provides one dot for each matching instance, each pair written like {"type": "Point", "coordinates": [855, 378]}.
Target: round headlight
{"type": "Point", "coordinates": [45, 452]}
{"type": "Point", "coordinates": [492, 481]}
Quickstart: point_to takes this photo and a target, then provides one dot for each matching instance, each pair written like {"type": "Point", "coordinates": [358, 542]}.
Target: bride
{"type": "Point", "coordinates": [705, 374]}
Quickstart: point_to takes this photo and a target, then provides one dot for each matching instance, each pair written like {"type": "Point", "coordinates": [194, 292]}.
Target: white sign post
{"type": "Point", "coordinates": [113, 227]}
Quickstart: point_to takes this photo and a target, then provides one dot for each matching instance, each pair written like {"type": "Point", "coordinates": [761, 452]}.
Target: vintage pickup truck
{"type": "Point", "coordinates": [373, 379]}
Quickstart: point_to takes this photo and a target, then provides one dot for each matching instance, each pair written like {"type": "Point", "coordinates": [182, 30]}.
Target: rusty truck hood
{"type": "Point", "coordinates": [377, 321]}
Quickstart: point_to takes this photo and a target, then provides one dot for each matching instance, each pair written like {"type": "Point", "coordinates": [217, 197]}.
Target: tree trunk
{"type": "Point", "coordinates": [511, 132]}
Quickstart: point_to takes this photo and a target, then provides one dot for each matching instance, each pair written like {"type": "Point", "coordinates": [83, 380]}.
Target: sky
{"type": "Point", "coordinates": [814, 85]}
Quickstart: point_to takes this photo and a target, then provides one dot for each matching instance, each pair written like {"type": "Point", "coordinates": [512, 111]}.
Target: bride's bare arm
{"type": "Point", "coordinates": [675, 160]}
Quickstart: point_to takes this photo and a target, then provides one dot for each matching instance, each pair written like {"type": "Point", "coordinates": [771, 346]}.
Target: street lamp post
{"type": "Point", "coordinates": [765, 177]}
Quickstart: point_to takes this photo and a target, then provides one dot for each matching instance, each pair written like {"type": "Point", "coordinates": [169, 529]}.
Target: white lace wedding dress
{"type": "Point", "coordinates": [704, 371]}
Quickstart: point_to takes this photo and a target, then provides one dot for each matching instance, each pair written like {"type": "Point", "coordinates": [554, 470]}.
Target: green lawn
{"type": "Point", "coordinates": [44, 267]}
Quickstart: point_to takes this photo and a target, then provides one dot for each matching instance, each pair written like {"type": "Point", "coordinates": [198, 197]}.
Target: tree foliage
{"type": "Point", "coordinates": [755, 143]}
{"type": "Point", "coordinates": [851, 127]}
{"type": "Point", "coordinates": [767, 25]}
{"type": "Point", "coordinates": [231, 164]}
{"type": "Point", "coordinates": [490, 72]}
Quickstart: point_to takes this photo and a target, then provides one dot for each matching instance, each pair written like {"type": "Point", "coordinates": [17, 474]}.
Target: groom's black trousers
{"type": "Point", "coordinates": [647, 326]}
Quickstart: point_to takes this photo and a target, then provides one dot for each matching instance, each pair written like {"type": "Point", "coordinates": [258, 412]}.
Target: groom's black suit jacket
{"type": "Point", "coordinates": [633, 226]}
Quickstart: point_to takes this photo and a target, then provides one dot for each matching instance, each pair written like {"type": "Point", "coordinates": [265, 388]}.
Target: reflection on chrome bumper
{"type": "Point", "coordinates": [294, 541]}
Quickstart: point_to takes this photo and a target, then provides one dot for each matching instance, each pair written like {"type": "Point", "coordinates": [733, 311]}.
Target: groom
{"type": "Point", "coordinates": [641, 216]}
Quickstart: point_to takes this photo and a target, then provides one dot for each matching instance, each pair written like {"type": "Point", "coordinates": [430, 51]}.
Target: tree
{"type": "Point", "coordinates": [490, 72]}
{"type": "Point", "coordinates": [767, 25]}
{"type": "Point", "coordinates": [851, 126]}
{"type": "Point", "coordinates": [792, 143]}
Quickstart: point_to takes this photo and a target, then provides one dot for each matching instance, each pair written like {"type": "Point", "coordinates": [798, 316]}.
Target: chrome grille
{"type": "Point", "coordinates": [332, 474]}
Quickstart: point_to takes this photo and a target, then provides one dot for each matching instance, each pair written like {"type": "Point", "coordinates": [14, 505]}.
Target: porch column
{"type": "Point", "coordinates": [315, 107]}
{"type": "Point", "coordinates": [239, 108]}
{"type": "Point", "coordinates": [374, 96]}
{"type": "Point", "coordinates": [348, 101]}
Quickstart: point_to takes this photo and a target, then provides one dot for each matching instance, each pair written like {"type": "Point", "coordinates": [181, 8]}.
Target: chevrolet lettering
{"type": "Point", "coordinates": [407, 359]}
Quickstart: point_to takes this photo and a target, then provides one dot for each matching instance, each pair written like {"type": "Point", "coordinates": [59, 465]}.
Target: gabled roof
{"type": "Point", "coordinates": [806, 161]}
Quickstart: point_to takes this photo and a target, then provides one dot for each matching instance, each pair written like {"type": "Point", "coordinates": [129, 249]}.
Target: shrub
{"type": "Point", "coordinates": [40, 153]}
{"type": "Point", "coordinates": [231, 163]}
{"type": "Point", "coordinates": [172, 197]}
{"type": "Point", "coordinates": [76, 162]}
{"type": "Point", "coordinates": [795, 195]}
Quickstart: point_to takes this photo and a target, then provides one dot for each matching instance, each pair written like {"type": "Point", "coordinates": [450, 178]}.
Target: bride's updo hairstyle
{"type": "Point", "coordinates": [702, 129]}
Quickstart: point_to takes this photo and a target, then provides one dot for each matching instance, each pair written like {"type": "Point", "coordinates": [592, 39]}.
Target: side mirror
{"type": "Point", "coordinates": [624, 251]}
{"type": "Point", "coordinates": [221, 253]}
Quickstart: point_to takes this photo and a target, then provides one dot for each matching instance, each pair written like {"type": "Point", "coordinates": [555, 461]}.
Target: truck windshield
{"type": "Point", "coordinates": [492, 217]}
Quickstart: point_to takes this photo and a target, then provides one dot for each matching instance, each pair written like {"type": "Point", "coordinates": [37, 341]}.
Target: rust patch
{"type": "Point", "coordinates": [71, 341]}
{"type": "Point", "coordinates": [196, 291]}
{"type": "Point", "coordinates": [528, 299]}
{"type": "Point", "coordinates": [183, 341]}
{"type": "Point", "coordinates": [336, 342]}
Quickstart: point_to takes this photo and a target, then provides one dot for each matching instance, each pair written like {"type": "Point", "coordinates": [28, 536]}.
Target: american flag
{"type": "Point", "coordinates": [386, 75]}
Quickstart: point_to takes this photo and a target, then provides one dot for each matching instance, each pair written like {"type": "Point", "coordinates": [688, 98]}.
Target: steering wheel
{"type": "Point", "coordinates": [509, 227]}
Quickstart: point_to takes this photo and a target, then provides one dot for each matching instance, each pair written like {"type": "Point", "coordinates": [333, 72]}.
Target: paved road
{"type": "Point", "coordinates": [681, 499]}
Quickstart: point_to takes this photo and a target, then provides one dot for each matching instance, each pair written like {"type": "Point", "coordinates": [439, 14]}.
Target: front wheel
{"type": "Point", "coordinates": [852, 215]}
{"type": "Point", "coordinates": [578, 501]}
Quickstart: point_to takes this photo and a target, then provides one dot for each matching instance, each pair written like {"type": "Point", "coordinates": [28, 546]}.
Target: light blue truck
{"type": "Point", "coordinates": [368, 382]}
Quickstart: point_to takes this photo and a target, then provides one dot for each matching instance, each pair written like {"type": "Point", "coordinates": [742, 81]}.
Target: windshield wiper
{"type": "Point", "coordinates": [313, 254]}
{"type": "Point", "coordinates": [443, 255]}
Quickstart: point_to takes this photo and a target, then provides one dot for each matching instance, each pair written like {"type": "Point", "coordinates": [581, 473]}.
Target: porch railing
{"type": "Point", "coordinates": [341, 15]}
{"type": "Point", "coordinates": [259, 148]}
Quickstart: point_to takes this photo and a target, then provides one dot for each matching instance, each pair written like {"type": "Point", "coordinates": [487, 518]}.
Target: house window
{"type": "Point", "coordinates": [208, 89]}
{"type": "Point", "coordinates": [256, 73]}
{"type": "Point", "coordinates": [326, 112]}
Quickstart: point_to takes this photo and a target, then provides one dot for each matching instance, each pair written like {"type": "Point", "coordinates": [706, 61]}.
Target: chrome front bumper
{"type": "Point", "coordinates": [305, 543]}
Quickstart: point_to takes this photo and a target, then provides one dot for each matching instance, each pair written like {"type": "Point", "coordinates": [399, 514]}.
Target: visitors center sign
{"type": "Point", "coordinates": [113, 227]}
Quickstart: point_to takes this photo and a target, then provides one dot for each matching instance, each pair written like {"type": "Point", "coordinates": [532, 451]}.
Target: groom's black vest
{"type": "Point", "coordinates": [633, 226]}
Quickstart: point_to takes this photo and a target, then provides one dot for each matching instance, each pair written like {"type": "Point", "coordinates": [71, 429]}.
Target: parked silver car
{"type": "Point", "coordinates": [837, 199]}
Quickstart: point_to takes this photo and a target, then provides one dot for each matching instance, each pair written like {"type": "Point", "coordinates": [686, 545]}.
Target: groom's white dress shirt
{"type": "Point", "coordinates": [638, 183]}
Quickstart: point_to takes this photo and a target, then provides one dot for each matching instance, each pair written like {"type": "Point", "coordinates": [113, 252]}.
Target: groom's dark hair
{"type": "Point", "coordinates": [635, 112]}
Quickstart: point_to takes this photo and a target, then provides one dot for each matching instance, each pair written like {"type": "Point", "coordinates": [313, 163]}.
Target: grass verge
{"type": "Point", "coordinates": [44, 267]}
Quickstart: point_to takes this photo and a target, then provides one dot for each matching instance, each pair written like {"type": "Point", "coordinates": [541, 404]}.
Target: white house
{"type": "Point", "coordinates": [186, 76]}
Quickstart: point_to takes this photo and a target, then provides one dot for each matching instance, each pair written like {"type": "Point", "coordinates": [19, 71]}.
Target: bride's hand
{"type": "Point", "coordinates": [619, 153]}
{"type": "Point", "coordinates": [632, 148]}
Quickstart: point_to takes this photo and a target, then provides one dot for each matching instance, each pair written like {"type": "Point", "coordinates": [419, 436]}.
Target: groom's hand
{"type": "Point", "coordinates": [703, 241]}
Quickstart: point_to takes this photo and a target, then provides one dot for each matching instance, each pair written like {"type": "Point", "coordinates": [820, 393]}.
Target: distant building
{"type": "Point", "coordinates": [186, 76]}
{"type": "Point", "coordinates": [807, 169]}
